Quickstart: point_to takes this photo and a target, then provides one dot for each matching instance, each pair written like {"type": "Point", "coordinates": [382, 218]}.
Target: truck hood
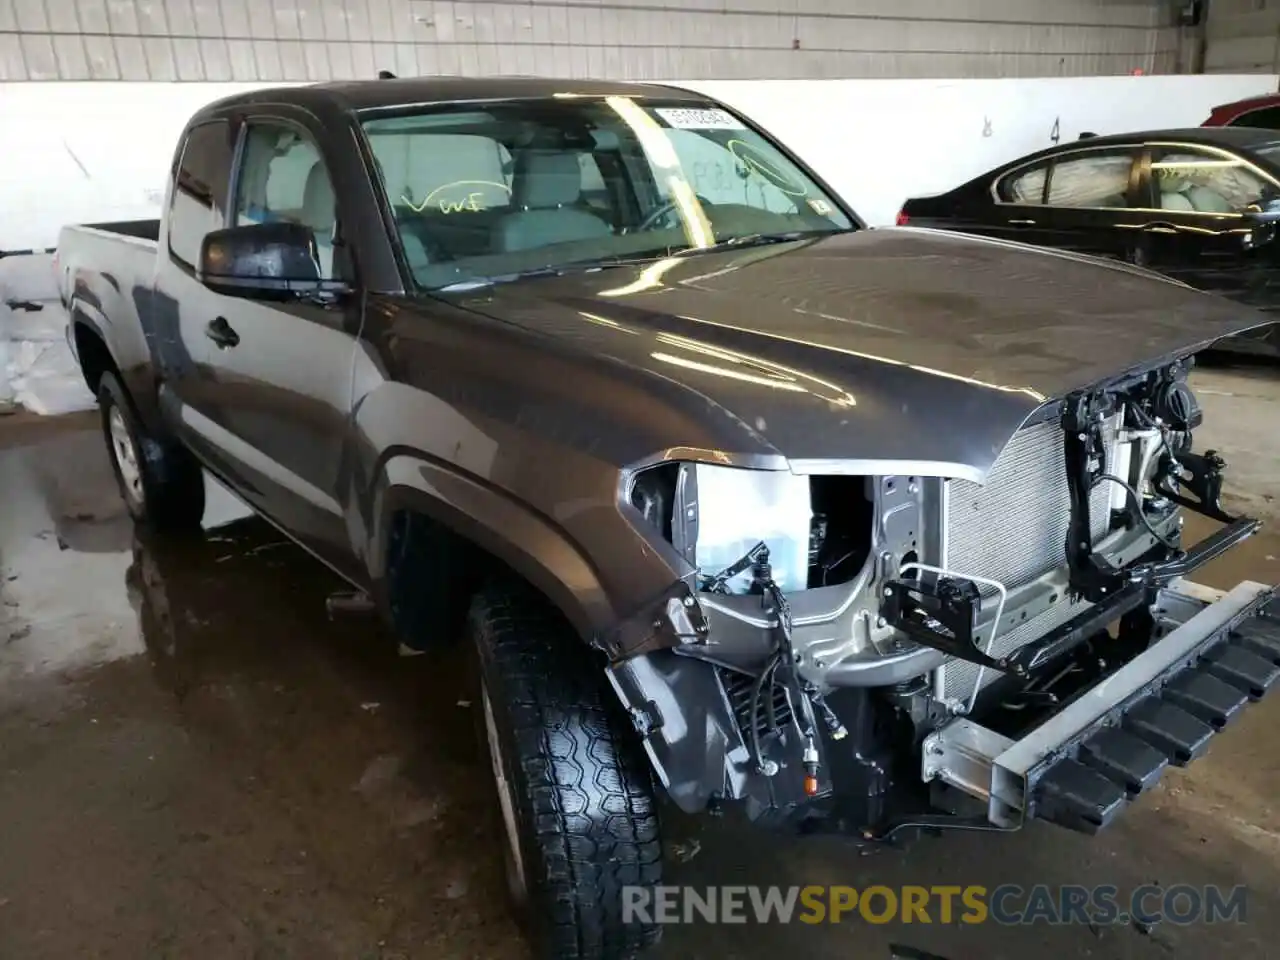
{"type": "Point", "coordinates": [890, 351]}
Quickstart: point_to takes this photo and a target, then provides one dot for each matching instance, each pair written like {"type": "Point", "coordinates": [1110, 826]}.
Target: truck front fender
{"type": "Point", "coordinates": [529, 544]}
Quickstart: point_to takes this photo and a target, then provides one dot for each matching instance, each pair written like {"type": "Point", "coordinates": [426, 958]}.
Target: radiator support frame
{"type": "Point", "coordinates": [1092, 577]}
{"type": "Point", "coordinates": [943, 614]}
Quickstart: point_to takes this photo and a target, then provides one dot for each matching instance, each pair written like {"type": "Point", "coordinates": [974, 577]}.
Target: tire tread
{"type": "Point", "coordinates": [587, 783]}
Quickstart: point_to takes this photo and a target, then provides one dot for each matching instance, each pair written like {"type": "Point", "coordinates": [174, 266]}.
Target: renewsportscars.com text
{"type": "Point", "coordinates": [1008, 904]}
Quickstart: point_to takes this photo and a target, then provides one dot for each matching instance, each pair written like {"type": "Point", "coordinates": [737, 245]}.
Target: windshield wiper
{"type": "Point", "coordinates": [475, 283]}
{"type": "Point", "coordinates": [630, 259]}
{"type": "Point", "coordinates": [673, 250]}
{"type": "Point", "coordinates": [577, 266]}
{"type": "Point", "coordinates": [757, 240]}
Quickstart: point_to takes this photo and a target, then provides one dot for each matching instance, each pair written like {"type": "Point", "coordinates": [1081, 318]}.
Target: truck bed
{"type": "Point", "coordinates": [103, 260]}
{"type": "Point", "coordinates": [147, 230]}
{"type": "Point", "coordinates": [106, 277]}
{"type": "Point", "coordinates": [124, 249]}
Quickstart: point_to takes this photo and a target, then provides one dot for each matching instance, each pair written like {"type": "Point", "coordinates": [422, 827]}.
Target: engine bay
{"type": "Point", "coordinates": [877, 609]}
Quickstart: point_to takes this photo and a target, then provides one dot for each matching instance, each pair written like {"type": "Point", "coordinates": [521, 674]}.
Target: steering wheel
{"type": "Point", "coordinates": [663, 210]}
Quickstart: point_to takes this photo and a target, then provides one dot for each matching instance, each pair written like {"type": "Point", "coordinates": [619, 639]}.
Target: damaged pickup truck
{"type": "Point", "coordinates": [735, 499]}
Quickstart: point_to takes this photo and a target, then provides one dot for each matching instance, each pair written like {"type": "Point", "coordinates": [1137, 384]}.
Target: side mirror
{"type": "Point", "coordinates": [265, 261]}
{"type": "Point", "coordinates": [1266, 209]}
{"type": "Point", "coordinates": [1260, 213]}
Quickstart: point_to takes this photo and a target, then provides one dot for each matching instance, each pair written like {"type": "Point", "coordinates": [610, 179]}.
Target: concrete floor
{"type": "Point", "coordinates": [196, 762]}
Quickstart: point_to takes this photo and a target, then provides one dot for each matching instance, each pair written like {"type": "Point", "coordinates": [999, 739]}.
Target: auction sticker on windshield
{"type": "Point", "coordinates": [691, 118]}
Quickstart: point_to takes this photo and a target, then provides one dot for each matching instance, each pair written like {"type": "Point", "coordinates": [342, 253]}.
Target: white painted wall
{"type": "Point", "coordinates": [101, 151]}
{"type": "Point", "coordinates": [223, 40]}
{"type": "Point", "coordinates": [76, 152]}
{"type": "Point", "coordinates": [1242, 36]}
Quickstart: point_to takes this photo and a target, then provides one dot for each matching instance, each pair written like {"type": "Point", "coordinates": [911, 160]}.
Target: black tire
{"type": "Point", "coordinates": [580, 785]}
{"type": "Point", "coordinates": [169, 494]}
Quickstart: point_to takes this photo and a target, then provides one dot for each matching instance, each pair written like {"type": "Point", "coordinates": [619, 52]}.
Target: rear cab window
{"type": "Point", "coordinates": [200, 183]}
{"type": "Point", "coordinates": [447, 173]}
{"type": "Point", "coordinates": [445, 188]}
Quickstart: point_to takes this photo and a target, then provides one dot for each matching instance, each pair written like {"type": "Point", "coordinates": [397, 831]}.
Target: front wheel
{"type": "Point", "coordinates": [161, 483]}
{"type": "Point", "coordinates": [575, 793]}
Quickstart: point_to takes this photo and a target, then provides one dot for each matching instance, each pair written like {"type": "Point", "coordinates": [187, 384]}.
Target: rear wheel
{"type": "Point", "coordinates": [575, 794]}
{"type": "Point", "coordinates": [161, 482]}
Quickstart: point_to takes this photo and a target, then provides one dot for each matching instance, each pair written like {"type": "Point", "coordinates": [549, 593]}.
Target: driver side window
{"type": "Point", "coordinates": [1201, 181]}
{"type": "Point", "coordinates": [283, 178]}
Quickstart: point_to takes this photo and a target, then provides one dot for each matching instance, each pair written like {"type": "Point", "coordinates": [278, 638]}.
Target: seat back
{"type": "Point", "coordinates": [1208, 200]}
{"type": "Point", "coordinates": [320, 214]}
{"type": "Point", "coordinates": [545, 186]}
{"type": "Point", "coordinates": [1172, 200]}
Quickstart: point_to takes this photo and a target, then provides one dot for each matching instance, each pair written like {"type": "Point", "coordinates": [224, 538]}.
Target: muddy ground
{"type": "Point", "coordinates": [196, 762]}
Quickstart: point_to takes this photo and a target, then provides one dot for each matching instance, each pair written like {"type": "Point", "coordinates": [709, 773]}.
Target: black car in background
{"type": "Point", "coordinates": [1200, 205]}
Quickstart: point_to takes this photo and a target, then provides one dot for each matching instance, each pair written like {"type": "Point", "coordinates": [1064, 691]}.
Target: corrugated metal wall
{"type": "Point", "coordinates": [691, 39]}
{"type": "Point", "coordinates": [1243, 36]}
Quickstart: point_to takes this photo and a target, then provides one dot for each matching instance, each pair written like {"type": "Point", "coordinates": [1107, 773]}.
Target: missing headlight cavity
{"type": "Point", "coordinates": [844, 517]}
{"type": "Point", "coordinates": [818, 529]}
{"type": "Point", "coordinates": [654, 492]}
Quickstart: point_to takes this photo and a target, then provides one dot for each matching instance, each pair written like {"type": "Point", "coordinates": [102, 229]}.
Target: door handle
{"type": "Point", "coordinates": [221, 333]}
{"type": "Point", "coordinates": [1022, 223]}
{"type": "Point", "coordinates": [1159, 228]}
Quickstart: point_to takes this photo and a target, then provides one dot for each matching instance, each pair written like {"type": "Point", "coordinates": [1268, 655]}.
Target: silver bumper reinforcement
{"type": "Point", "coordinates": [1085, 764]}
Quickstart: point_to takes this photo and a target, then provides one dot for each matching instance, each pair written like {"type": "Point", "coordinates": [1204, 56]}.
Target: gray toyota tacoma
{"type": "Point", "coordinates": [738, 502]}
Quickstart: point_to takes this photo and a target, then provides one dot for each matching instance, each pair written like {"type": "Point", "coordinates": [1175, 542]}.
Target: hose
{"type": "Point", "coordinates": [766, 674]}
{"type": "Point", "coordinates": [1137, 503]}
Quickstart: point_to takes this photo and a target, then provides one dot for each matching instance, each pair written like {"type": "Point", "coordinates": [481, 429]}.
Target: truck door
{"type": "Point", "coordinates": [173, 309]}
{"type": "Point", "coordinates": [282, 370]}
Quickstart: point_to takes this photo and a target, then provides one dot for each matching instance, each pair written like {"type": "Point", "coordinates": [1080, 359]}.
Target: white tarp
{"type": "Point", "coordinates": [37, 369]}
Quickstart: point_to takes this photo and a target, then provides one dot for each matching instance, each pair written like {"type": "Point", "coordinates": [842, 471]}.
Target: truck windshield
{"type": "Point", "coordinates": [484, 191]}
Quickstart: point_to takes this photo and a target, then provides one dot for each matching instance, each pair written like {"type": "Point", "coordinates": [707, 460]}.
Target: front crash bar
{"type": "Point", "coordinates": [1139, 591]}
{"type": "Point", "coordinates": [1196, 556]}
{"type": "Point", "coordinates": [1084, 765]}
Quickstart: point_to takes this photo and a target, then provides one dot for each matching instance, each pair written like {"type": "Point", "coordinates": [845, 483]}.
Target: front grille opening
{"type": "Point", "coordinates": [843, 517]}
{"type": "Point", "coordinates": [739, 687]}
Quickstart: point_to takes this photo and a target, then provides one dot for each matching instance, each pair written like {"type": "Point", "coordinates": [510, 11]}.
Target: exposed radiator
{"type": "Point", "coordinates": [958, 675]}
{"type": "Point", "coordinates": [1013, 529]}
